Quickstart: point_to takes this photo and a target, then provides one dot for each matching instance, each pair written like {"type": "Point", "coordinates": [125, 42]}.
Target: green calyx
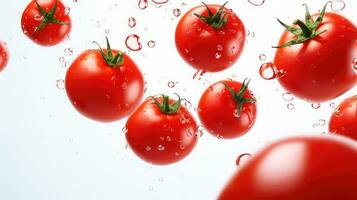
{"type": "Point", "coordinates": [304, 31]}
{"type": "Point", "coordinates": [165, 107]}
{"type": "Point", "coordinates": [216, 20]}
{"type": "Point", "coordinates": [111, 59]}
{"type": "Point", "coordinates": [238, 97]}
{"type": "Point", "coordinates": [48, 17]}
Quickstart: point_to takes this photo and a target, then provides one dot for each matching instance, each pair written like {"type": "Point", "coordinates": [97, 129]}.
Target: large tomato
{"type": "Point", "coordinates": [210, 37]}
{"type": "Point", "coordinates": [104, 85]}
{"type": "Point", "coordinates": [301, 168]}
{"type": "Point", "coordinates": [344, 119]}
{"type": "Point", "coordinates": [227, 109]}
{"type": "Point", "coordinates": [4, 55]}
{"type": "Point", "coordinates": [46, 22]}
{"type": "Point", "coordinates": [161, 131]}
{"type": "Point", "coordinates": [316, 56]}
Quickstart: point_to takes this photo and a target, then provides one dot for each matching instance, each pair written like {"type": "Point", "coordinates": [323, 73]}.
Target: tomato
{"type": "Point", "coordinates": [318, 62]}
{"type": "Point", "coordinates": [161, 131]}
{"type": "Point", "coordinates": [104, 85]}
{"type": "Point", "coordinates": [227, 109]}
{"type": "Point", "coordinates": [344, 119]}
{"type": "Point", "coordinates": [46, 22]}
{"type": "Point", "coordinates": [4, 55]}
{"type": "Point", "coordinates": [210, 37]}
{"type": "Point", "coordinates": [300, 168]}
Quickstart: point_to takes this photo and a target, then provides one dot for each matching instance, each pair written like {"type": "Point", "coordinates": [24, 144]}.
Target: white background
{"type": "Point", "coordinates": [50, 152]}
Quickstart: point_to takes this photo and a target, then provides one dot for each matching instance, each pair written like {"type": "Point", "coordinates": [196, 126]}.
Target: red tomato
{"type": "Point", "coordinates": [46, 22]}
{"type": "Point", "coordinates": [344, 120]}
{"type": "Point", "coordinates": [4, 55]}
{"type": "Point", "coordinates": [301, 168]}
{"type": "Point", "coordinates": [104, 85]}
{"type": "Point", "coordinates": [227, 109]}
{"type": "Point", "coordinates": [161, 131]}
{"type": "Point", "coordinates": [319, 66]}
{"type": "Point", "coordinates": [210, 37]}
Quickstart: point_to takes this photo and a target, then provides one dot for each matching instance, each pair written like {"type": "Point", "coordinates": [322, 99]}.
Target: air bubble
{"type": "Point", "coordinates": [171, 84]}
{"type": "Point", "coordinates": [142, 4]}
{"type": "Point", "coordinates": [131, 22]}
{"type": "Point", "coordinates": [132, 42]}
{"type": "Point", "coordinates": [337, 5]}
{"type": "Point", "coordinates": [243, 158]}
{"type": "Point", "coordinates": [60, 84]}
{"type": "Point", "coordinates": [176, 12]}
{"type": "Point", "coordinates": [290, 106]}
{"type": "Point", "coordinates": [268, 71]}
{"type": "Point", "coordinates": [151, 44]}
{"type": "Point", "coordinates": [262, 57]}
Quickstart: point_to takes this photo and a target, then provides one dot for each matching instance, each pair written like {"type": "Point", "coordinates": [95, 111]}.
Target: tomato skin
{"type": "Point", "coordinates": [199, 44]}
{"type": "Point", "coordinates": [159, 138]}
{"type": "Point", "coordinates": [344, 119]}
{"type": "Point", "coordinates": [321, 68]}
{"type": "Point", "coordinates": [218, 111]}
{"type": "Point", "coordinates": [4, 55]}
{"type": "Point", "coordinates": [51, 34]}
{"type": "Point", "coordinates": [308, 168]}
{"type": "Point", "coordinates": [103, 93]}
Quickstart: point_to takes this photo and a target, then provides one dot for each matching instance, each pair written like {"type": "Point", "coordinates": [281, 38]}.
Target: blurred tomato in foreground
{"type": "Point", "coordinates": [344, 119]}
{"type": "Point", "coordinates": [300, 168]}
{"type": "Point", "coordinates": [4, 55]}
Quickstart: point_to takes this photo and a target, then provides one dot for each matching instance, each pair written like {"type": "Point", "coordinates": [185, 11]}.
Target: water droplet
{"type": "Point", "coordinates": [160, 1]}
{"type": "Point", "coordinates": [233, 50]}
{"type": "Point", "coordinates": [176, 12]}
{"type": "Point", "coordinates": [218, 55]}
{"type": "Point", "coordinates": [315, 105]}
{"type": "Point", "coordinates": [68, 51]}
{"type": "Point", "coordinates": [337, 5]}
{"type": "Point", "coordinates": [268, 71]}
{"type": "Point", "coordinates": [131, 22]}
{"type": "Point", "coordinates": [60, 84]}
{"type": "Point", "coordinates": [151, 44]}
{"type": "Point", "coordinates": [124, 130]}
{"type": "Point", "coordinates": [322, 122]}
{"type": "Point", "coordinates": [354, 64]}
{"type": "Point", "coordinates": [256, 2]}
{"type": "Point", "coordinates": [236, 113]}
{"type": "Point", "coordinates": [219, 48]}
{"type": "Point", "coordinates": [288, 97]}
{"type": "Point", "coordinates": [262, 57]}
{"type": "Point", "coordinates": [338, 112]}
{"type": "Point", "coordinates": [171, 84]}
{"type": "Point", "coordinates": [198, 74]}
{"type": "Point", "coordinates": [148, 148]}
{"type": "Point", "coordinates": [142, 4]}
{"type": "Point", "coordinates": [219, 136]}
{"type": "Point", "coordinates": [243, 158]}
{"type": "Point", "coordinates": [38, 17]}
{"type": "Point", "coordinates": [160, 147]}
{"type": "Point", "coordinates": [200, 130]}
{"type": "Point", "coordinates": [132, 42]}
{"type": "Point", "coordinates": [67, 10]}
{"type": "Point", "coordinates": [61, 59]}
{"type": "Point", "coordinates": [290, 106]}
{"type": "Point", "coordinates": [332, 105]}
{"type": "Point", "coordinates": [184, 119]}
{"type": "Point", "coordinates": [106, 31]}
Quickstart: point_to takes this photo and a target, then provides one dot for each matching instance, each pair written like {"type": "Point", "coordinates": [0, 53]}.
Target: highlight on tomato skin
{"type": "Point", "coordinates": [296, 168]}
{"type": "Point", "coordinates": [4, 55]}
{"type": "Point", "coordinates": [316, 56]}
{"type": "Point", "coordinates": [343, 120]}
{"type": "Point", "coordinates": [161, 131]}
{"type": "Point", "coordinates": [46, 22]}
{"type": "Point", "coordinates": [210, 37]}
{"type": "Point", "coordinates": [227, 109]}
{"type": "Point", "coordinates": [104, 85]}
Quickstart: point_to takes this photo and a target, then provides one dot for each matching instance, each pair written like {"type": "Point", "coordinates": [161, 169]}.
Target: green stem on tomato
{"type": "Point", "coordinates": [48, 17]}
{"type": "Point", "coordinates": [167, 108]}
{"type": "Point", "coordinates": [217, 20]}
{"type": "Point", "coordinates": [111, 59]}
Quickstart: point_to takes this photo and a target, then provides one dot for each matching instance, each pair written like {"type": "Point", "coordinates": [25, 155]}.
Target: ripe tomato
{"type": "Point", "coordinates": [104, 85]}
{"type": "Point", "coordinates": [161, 131]}
{"type": "Point", "coordinates": [301, 168]}
{"type": "Point", "coordinates": [210, 37]}
{"type": "Point", "coordinates": [227, 109]}
{"type": "Point", "coordinates": [344, 120]}
{"type": "Point", "coordinates": [318, 59]}
{"type": "Point", "coordinates": [4, 56]}
{"type": "Point", "coordinates": [46, 22]}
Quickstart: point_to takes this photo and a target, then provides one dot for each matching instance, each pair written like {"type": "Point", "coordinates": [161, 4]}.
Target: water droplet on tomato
{"type": "Point", "coordinates": [262, 57]}
{"type": "Point", "coordinates": [256, 2]}
{"type": "Point", "coordinates": [288, 97]}
{"type": "Point", "coordinates": [236, 113]}
{"type": "Point", "coordinates": [184, 119]}
{"type": "Point", "coordinates": [132, 42]}
{"type": "Point", "coordinates": [268, 71]}
{"type": "Point", "coordinates": [218, 55]}
{"type": "Point", "coordinates": [290, 106]}
{"type": "Point", "coordinates": [176, 12]}
{"type": "Point", "coordinates": [171, 84]}
{"type": "Point", "coordinates": [60, 84]}
{"type": "Point", "coordinates": [142, 4]}
{"type": "Point", "coordinates": [131, 22]}
{"type": "Point", "coordinates": [124, 129]}
{"type": "Point", "coordinates": [38, 17]}
{"type": "Point", "coordinates": [198, 74]}
{"type": "Point", "coordinates": [219, 48]}
{"type": "Point", "coordinates": [67, 10]}
{"type": "Point", "coordinates": [354, 64]}
{"type": "Point", "coordinates": [160, 147]}
{"type": "Point", "coordinates": [148, 148]}
{"type": "Point", "coordinates": [242, 159]}
{"type": "Point", "coordinates": [338, 112]}
{"type": "Point", "coordinates": [219, 136]}
{"type": "Point", "coordinates": [151, 44]}
{"type": "Point", "coordinates": [315, 105]}
{"type": "Point", "coordinates": [337, 5]}
{"type": "Point", "coordinates": [200, 130]}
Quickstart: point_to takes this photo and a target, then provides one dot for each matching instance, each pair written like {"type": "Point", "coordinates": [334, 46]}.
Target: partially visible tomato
{"type": "Point", "coordinates": [161, 131]}
{"type": "Point", "coordinates": [104, 85]}
{"type": "Point", "coordinates": [316, 57]}
{"type": "Point", "coordinates": [46, 22]}
{"type": "Point", "coordinates": [4, 55]}
{"type": "Point", "coordinates": [344, 119]}
{"type": "Point", "coordinates": [210, 37]}
{"type": "Point", "coordinates": [300, 168]}
{"type": "Point", "coordinates": [227, 109]}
